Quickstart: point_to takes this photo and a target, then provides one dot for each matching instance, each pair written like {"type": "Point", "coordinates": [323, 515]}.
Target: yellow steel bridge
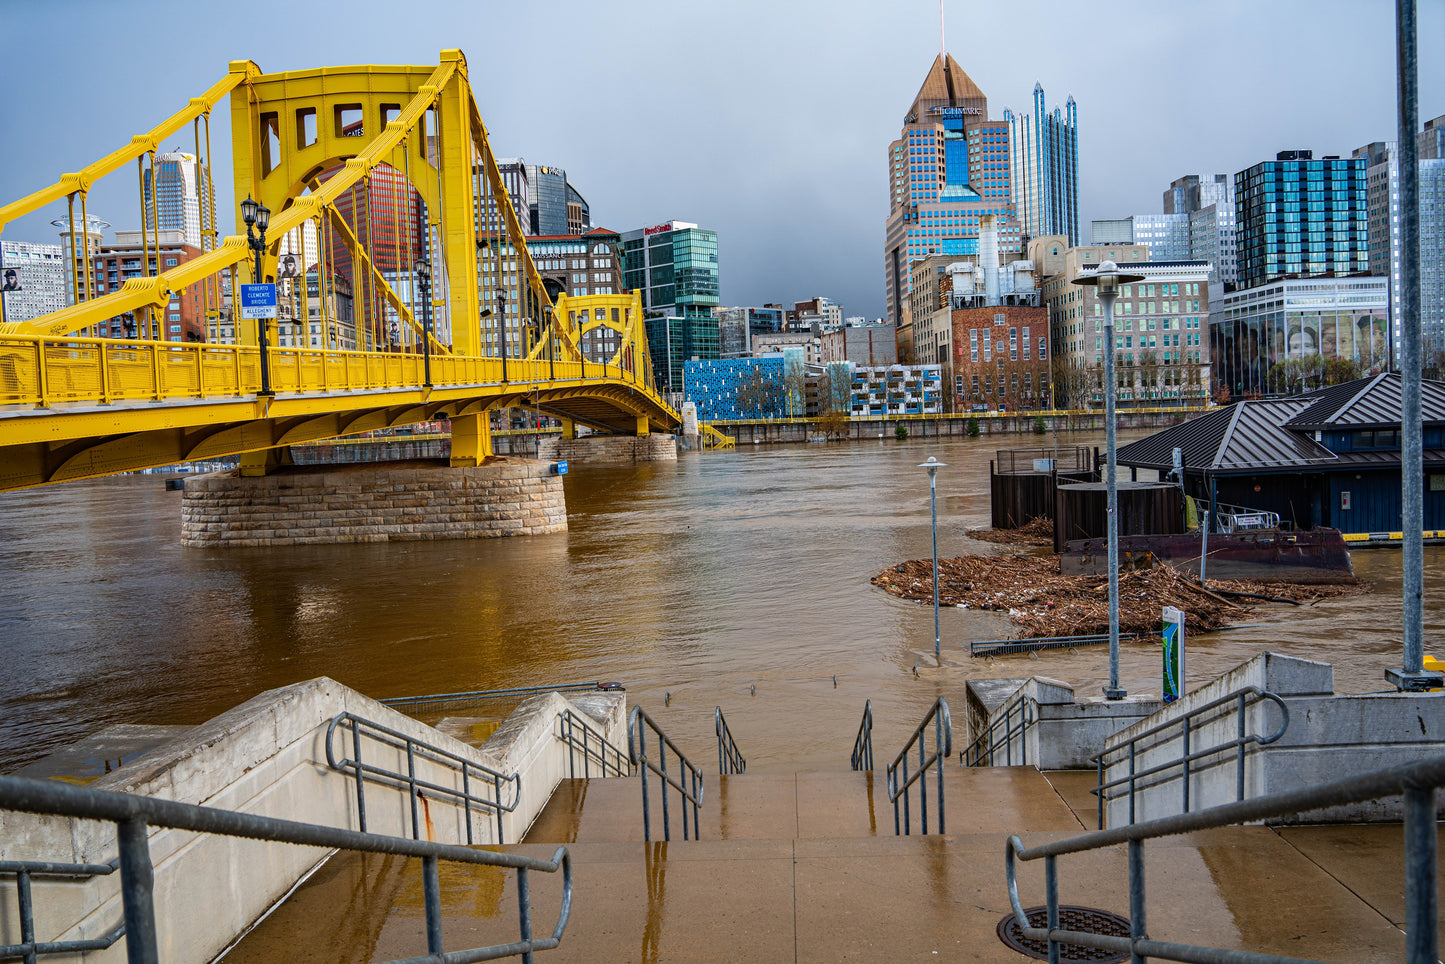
{"type": "Point", "coordinates": [76, 402]}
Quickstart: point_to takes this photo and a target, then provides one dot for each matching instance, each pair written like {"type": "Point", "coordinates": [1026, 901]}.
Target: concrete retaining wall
{"type": "Point", "coordinates": [609, 449]}
{"type": "Point", "coordinates": [1067, 733]}
{"type": "Point", "coordinates": [1328, 737]}
{"type": "Point", "coordinates": [268, 757]}
{"type": "Point", "coordinates": [400, 502]}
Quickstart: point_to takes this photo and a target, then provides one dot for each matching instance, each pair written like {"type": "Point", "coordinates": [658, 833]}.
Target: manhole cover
{"type": "Point", "coordinates": [1085, 920]}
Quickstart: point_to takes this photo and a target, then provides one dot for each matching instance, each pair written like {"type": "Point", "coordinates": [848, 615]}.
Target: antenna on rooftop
{"type": "Point", "coordinates": [942, 47]}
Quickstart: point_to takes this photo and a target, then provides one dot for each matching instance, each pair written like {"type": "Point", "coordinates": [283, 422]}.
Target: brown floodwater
{"type": "Point", "coordinates": [737, 579]}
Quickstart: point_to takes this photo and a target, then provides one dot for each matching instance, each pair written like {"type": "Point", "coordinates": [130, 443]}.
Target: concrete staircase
{"type": "Point", "coordinates": [805, 867]}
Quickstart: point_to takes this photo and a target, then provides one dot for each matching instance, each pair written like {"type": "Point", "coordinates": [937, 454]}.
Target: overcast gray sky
{"type": "Point", "coordinates": [766, 121]}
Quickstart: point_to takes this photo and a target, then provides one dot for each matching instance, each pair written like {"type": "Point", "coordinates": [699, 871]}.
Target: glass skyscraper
{"type": "Point", "coordinates": [1299, 216]}
{"type": "Point", "coordinates": [1046, 168]}
{"type": "Point", "coordinates": [183, 185]}
{"type": "Point", "coordinates": [674, 265]}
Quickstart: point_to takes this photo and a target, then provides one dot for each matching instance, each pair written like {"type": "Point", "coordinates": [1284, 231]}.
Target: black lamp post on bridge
{"type": "Point", "coordinates": [423, 280]}
{"type": "Point", "coordinates": [257, 214]}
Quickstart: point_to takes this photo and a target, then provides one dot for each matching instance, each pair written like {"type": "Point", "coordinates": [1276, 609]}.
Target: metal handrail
{"type": "Point", "coordinates": [409, 781]}
{"type": "Point", "coordinates": [593, 746]}
{"type": "Point", "coordinates": [691, 790]}
{"type": "Point", "coordinates": [1186, 724]}
{"type": "Point", "coordinates": [134, 815]}
{"type": "Point", "coordinates": [863, 743]}
{"type": "Point", "coordinates": [729, 758]}
{"type": "Point", "coordinates": [942, 722]}
{"type": "Point", "coordinates": [24, 871]}
{"type": "Point", "coordinates": [439, 702]}
{"type": "Point", "coordinates": [1418, 782]}
{"type": "Point", "coordinates": [973, 754]}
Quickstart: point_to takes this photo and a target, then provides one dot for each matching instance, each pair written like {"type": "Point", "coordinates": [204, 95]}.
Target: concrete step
{"type": "Point", "coordinates": [936, 898]}
{"type": "Point", "coordinates": [806, 805]}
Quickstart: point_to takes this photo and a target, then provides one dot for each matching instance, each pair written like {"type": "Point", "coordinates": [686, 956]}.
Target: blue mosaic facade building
{"type": "Point", "coordinates": [713, 385]}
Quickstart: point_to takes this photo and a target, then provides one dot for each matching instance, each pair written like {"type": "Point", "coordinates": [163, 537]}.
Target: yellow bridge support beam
{"type": "Point", "coordinates": [471, 439]}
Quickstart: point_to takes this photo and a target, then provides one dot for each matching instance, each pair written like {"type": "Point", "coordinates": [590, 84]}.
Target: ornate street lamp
{"type": "Point", "coordinates": [258, 215]}
{"type": "Point", "coordinates": [423, 280]}
{"type": "Point", "coordinates": [1107, 279]}
{"type": "Point", "coordinates": [933, 465]}
{"type": "Point", "coordinates": [551, 343]}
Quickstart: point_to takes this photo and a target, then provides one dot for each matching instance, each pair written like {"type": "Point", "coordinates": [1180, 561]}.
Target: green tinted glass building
{"type": "Point", "coordinates": [674, 265]}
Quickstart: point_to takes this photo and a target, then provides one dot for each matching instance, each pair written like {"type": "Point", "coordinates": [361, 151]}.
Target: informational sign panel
{"type": "Point", "coordinates": [258, 301]}
{"type": "Point", "coordinates": [1173, 679]}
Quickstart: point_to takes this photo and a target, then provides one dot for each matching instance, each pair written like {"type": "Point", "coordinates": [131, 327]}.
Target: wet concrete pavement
{"type": "Point", "coordinates": [795, 867]}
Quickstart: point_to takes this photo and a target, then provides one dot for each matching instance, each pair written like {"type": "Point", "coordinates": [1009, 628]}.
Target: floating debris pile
{"type": "Point", "coordinates": [1043, 602]}
{"type": "Point", "coordinates": [1038, 532]}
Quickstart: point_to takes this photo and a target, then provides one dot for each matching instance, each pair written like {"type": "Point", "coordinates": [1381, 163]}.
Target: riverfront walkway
{"type": "Point", "coordinates": [805, 867]}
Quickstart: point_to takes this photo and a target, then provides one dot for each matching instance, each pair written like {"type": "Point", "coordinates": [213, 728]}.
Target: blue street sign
{"type": "Point", "coordinates": [258, 301]}
{"type": "Point", "coordinates": [560, 468]}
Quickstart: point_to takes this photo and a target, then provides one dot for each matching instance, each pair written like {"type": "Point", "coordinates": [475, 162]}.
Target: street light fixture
{"type": "Point", "coordinates": [933, 465]}
{"type": "Point", "coordinates": [1107, 279]}
{"type": "Point", "coordinates": [423, 280]}
{"type": "Point", "coordinates": [257, 214]}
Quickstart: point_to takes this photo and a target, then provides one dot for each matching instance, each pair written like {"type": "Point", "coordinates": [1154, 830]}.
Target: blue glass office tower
{"type": "Point", "coordinates": [1046, 168]}
{"type": "Point", "coordinates": [1298, 216]}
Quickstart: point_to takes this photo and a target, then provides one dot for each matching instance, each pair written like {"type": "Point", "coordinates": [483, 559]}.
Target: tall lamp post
{"type": "Point", "coordinates": [933, 465]}
{"type": "Point", "coordinates": [423, 280]}
{"type": "Point", "coordinates": [1107, 280]}
{"type": "Point", "coordinates": [257, 214]}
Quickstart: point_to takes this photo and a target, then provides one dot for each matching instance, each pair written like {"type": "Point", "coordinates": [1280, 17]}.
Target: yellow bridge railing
{"type": "Point", "coordinates": [42, 372]}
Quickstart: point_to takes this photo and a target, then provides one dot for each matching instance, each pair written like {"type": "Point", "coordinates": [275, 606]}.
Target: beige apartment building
{"type": "Point", "coordinates": [1160, 325]}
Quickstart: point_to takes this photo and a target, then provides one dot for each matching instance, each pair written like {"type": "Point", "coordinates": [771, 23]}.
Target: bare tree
{"type": "Point", "coordinates": [759, 395]}
{"type": "Point", "coordinates": [835, 405]}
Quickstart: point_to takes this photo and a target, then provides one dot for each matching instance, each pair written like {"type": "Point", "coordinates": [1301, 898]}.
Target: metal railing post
{"type": "Point", "coordinates": [1422, 898]}
{"type": "Point", "coordinates": [1138, 930]}
{"type": "Point", "coordinates": [1051, 900]}
{"type": "Point", "coordinates": [524, 911]}
{"type": "Point", "coordinates": [1100, 789]}
{"type": "Point", "coordinates": [1186, 764]}
{"type": "Point", "coordinates": [646, 806]}
{"type": "Point", "coordinates": [432, 895]}
{"type": "Point", "coordinates": [467, 801]}
{"type": "Point", "coordinates": [137, 880]}
{"type": "Point", "coordinates": [411, 789]}
{"type": "Point", "coordinates": [666, 816]}
{"type": "Point", "coordinates": [1131, 782]}
{"type": "Point", "coordinates": [27, 915]}
{"type": "Point", "coordinates": [939, 755]}
{"type": "Point", "coordinates": [1239, 760]}
{"type": "Point", "coordinates": [360, 781]}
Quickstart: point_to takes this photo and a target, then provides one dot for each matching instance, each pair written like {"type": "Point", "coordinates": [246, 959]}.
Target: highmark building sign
{"type": "Point", "coordinates": [954, 111]}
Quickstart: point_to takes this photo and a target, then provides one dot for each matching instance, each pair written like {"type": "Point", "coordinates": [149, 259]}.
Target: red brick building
{"type": "Point", "coordinates": [1001, 358]}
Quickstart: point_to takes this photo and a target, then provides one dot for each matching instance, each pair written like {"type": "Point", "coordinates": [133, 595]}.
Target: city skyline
{"type": "Point", "coordinates": [779, 158]}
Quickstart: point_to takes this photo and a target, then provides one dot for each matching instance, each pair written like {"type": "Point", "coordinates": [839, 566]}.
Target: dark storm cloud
{"type": "Point", "coordinates": [768, 122]}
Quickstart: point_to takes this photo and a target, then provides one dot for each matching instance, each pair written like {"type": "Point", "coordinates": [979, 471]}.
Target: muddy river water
{"type": "Point", "coordinates": [737, 579]}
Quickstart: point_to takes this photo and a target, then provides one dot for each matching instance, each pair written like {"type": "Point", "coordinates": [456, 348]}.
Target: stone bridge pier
{"type": "Point", "coordinates": [269, 501]}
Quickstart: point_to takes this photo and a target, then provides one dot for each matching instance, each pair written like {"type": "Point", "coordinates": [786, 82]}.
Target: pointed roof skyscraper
{"type": "Point", "coordinates": [947, 86]}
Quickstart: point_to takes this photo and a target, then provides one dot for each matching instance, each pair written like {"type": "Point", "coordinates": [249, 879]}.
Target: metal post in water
{"type": "Point", "coordinates": [1410, 677]}
{"type": "Point", "coordinates": [933, 465]}
{"type": "Point", "coordinates": [1203, 545]}
{"type": "Point", "coordinates": [1422, 898]}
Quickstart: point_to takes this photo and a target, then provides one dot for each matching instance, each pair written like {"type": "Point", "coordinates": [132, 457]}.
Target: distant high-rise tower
{"type": "Point", "coordinates": [948, 169]}
{"type": "Point", "coordinates": [1046, 168]}
{"type": "Point", "coordinates": [1301, 216]}
{"type": "Point", "coordinates": [183, 185]}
